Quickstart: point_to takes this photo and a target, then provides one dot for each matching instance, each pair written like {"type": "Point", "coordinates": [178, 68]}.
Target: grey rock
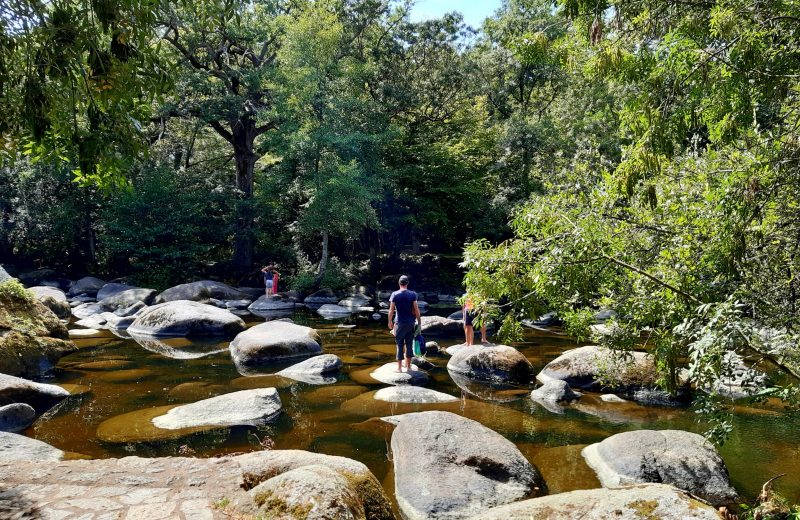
{"type": "Point", "coordinates": [583, 367]}
{"type": "Point", "coordinates": [554, 391]}
{"type": "Point", "coordinates": [237, 304]}
{"type": "Point", "coordinates": [36, 277]}
{"type": "Point", "coordinates": [442, 327]}
{"type": "Point", "coordinates": [95, 321]}
{"type": "Point", "coordinates": [85, 310]}
{"type": "Point", "coordinates": [318, 370]}
{"type": "Point", "coordinates": [612, 398]}
{"type": "Point", "coordinates": [388, 374]}
{"type": "Point", "coordinates": [432, 348]}
{"type": "Point", "coordinates": [499, 363]}
{"type": "Point", "coordinates": [110, 289]}
{"type": "Point", "coordinates": [54, 299]}
{"type": "Point", "coordinates": [646, 501]}
{"type": "Point", "coordinates": [330, 311]}
{"type": "Point", "coordinates": [216, 303]}
{"type": "Point", "coordinates": [458, 316]}
{"type": "Point", "coordinates": [202, 290]}
{"type": "Point", "coordinates": [16, 417]}
{"type": "Point", "coordinates": [412, 394]}
{"type": "Point", "coordinates": [21, 448]}
{"type": "Point", "coordinates": [321, 297]}
{"type": "Point", "coordinates": [185, 318]}
{"type": "Point", "coordinates": [270, 303]}
{"type": "Point", "coordinates": [274, 342]}
{"type": "Point", "coordinates": [244, 408]}
{"type": "Point", "coordinates": [738, 381]}
{"type": "Point", "coordinates": [117, 322]}
{"type": "Point", "coordinates": [131, 310]}
{"type": "Point", "coordinates": [40, 396]}
{"type": "Point", "coordinates": [4, 276]}
{"type": "Point", "coordinates": [448, 466]}
{"type": "Point", "coordinates": [354, 302]}
{"type": "Point", "coordinates": [88, 285]}
{"type": "Point", "coordinates": [683, 459]}
{"type": "Point", "coordinates": [127, 298]}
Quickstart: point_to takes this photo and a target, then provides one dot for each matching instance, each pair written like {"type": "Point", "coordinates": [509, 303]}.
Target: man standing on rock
{"type": "Point", "coordinates": [404, 302]}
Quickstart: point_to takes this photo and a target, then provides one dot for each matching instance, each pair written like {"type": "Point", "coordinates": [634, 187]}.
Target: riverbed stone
{"type": "Point", "coordinates": [331, 311]}
{"type": "Point", "coordinates": [270, 303]}
{"type": "Point", "coordinates": [112, 288]}
{"type": "Point", "coordinates": [86, 310]}
{"type": "Point", "coordinates": [130, 310]}
{"type": "Point", "coordinates": [554, 391]}
{"type": "Point", "coordinates": [243, 408]}
{"type": "Point", "coordinates": [88, 285]}
{"type": "Point", "coordinates": [594, 367]}
{"type": "Point", "coordinates": [354, 302]}
{"type": "Point", "coordinates": [389, 375]}
{"type": "Point", "coordinates": [127, 298]}
{"type": "Point", "coordinates": [274, 342]}
{"type": "Point", "coordinates": [202, 290]}
{"type": "Point", "coordinates": [54, 299]}
{"type": "Point", "coordinates": [683, 459]}
{"type": "Point", "coordinates": [40, 396]}
{"type": "Point", "coordinates": [318, 370]}
{"type": "Point", "coordinates": [32, 338]}
{"type": "Point", "coordinates": [321, 297]}
{"type": "Point", "coordinates": [413, 394]}
{"type": "Point", "coordinates": [499, 363]}
{"type": "Point", "coordinates": [16, 417]}
{"type": "Point", "coordinates": [447, 466]}
{"type": "Point", "coordinates": [644, 501]}
{"type": "Point", "coordinates": [15, 447]}
{"type": "Point", "coordinates": [442, 327]}
{"type": "Point", "coordinates": [186, 318]}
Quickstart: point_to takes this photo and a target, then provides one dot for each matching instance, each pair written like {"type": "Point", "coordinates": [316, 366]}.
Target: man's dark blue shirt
{"type": "Point", "coordinates": [404, 305]}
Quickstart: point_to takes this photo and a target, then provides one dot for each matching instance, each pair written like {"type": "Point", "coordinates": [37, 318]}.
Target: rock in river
{"type": "Point", "coordinates": [646, 501]}
{"type": "Point", "coordinates": [16, 417]}
{"type": "Point", "coordinates": [19, 447]}
{"type": "Point", "coordinates": [413, 394]}
{"type": "Point", "coordinates": [685, 460]}
{"type": "Point", "coordinates": [202, 290]}
{"type": "Point", "coordinates": [321, 297]}
{"type": "Point", "coordinates": [499, 363]}
{"type": "Point", "coordinates": [584, 367]}
{"type": "Point", "coordinates": [40, 396]}
{"type": "Point", "coordinates": [186, 318]}
{"type": "Point", "coordinates": [332, 311]}
{"type": "Point", "coordinates": [389, 375]}
{"type": "Point", "coordinates": [274, 342]}
{"type": "Point", "coordinates": [554, 391]}
{"type": "Point", "coordinates": [442, 327]}
{"type": "Point", "coordinates": [270, 303]}
{"type": "Point", "coordinates": [88, 285]}
{"type": "Point", "coordinates": [110, 289]}
{"type": "Point", "coordinates": [319, 370]}
{"type": "Point", "coordinates": [54, 299]}
{"type": "Point", "coordinates": [125, 299]}
{"type": "Point", "coordinates": [447, 466]}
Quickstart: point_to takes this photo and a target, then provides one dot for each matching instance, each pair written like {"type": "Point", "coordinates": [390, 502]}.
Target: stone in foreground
{"type": "Point", "coordinates": [646, 501]}
{"type": "Point", "coordinates": [186, 318]}
{"type": "Point", "coordinates": [500, 363]}
{"type": "Point", "coordinates": [274, 342]}
{"type": "Point", "coordinates": [447, 466]}
{"type": "Point", "coordinates": [319, 370]}
{"type": "Point", "coordinates": [15, 447]}
{"type": "Point", "coordinates": [683, 459]}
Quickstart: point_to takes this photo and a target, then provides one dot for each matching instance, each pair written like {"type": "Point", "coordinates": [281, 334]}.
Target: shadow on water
{"type": "Point", "coordinates": [344, 419]}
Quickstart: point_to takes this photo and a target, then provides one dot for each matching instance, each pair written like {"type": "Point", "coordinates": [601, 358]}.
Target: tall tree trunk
{"type": "Point", "coordinates": [323, 262]}
{"type": "Point", "coordinates": [244, 135]}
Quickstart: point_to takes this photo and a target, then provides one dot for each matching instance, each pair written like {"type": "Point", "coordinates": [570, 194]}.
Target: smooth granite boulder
{"type": "Point", "coordinates": [447, 466]}
{"type": "Point", "coordinates": [442, 327]}
{"type": "Point", "coordinates": [319, 370]}
{"type": "Point", "coordinates": [413, 394]}
{"type": "Point", "coordinates": [683, 459]}
{"type": "Point", "coordinates": [186, 318]}
{"type": "Point", "coordinates": [554, 391]}
{"type": "Point", "coordinates": [21, 448]}
{"type": "Point", "coordinates": [594, 367]}
{"type": "Point", "coordinates": [40, 396]}
{"type": "Point", "coordinates": [16, 417]}
{"type": "Point", "coordinates": [88, 285]}
{"type": "Point", "coordinates": [499, 364]}
{"type": "Point", "coordinates": [86, 310]}
{"type": "Point", "coordinates": [54, 299]}
{"type": "Point", "coordinates": [202, 290]}
{"type": "Point", "coordinates": [389, 375]}
{"type": "Point", "coordinates": [642, 502]}
{"type": "Point", "coordinates": [274, 342]}
{"type": "Point", "coordinates": [127, 298]}
{"type": "Point", "coordinates": [270, 303]}
{"type": "Point", "coordinates": [332, 311]}
{"type": "Point", "coordinates": [243, 408]}
{"type": "Point", "coordinates": [112, 288]}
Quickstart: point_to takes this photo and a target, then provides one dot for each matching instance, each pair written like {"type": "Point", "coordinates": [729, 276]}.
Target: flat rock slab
{"type": "Point", "coordinates": [86, 333]}
{"type": "Point", "coordinates": [447, 466]}
{"type": "Point", "coordinates": [174, 488]}
{"type": "Point", "coordinates": [499, 363]}
{"type": "Point", "coordinates": [186, 318]}
{"type": "Point", "coordinates": [14, 447]}
{"type": "Point", "coordinates": [389, 375]}
{"type": "Point", "coordinates": [273, 342]}
{"type": "Point", "coordinates": [683, 459]}
{"type": "Point", "coordinates": [40, 396]}
{"type": "Point", "coordinates": [319, 370]}
{"type": "Point", "coordinates": [413, 394]}
{"type": "Point", "coordinates": [651, 501]}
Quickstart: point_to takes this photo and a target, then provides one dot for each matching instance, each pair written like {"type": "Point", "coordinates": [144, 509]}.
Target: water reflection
{"type": "Point", "coordinates": [180, 348]}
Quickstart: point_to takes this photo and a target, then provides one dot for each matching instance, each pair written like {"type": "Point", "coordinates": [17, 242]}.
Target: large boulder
{"type": "Point", "coordinates": [274, 342]}
{"type": "Point", "coordinates": [14, 447]}
{"type": "Point", "coordinates": [127, 298]}
{"type": "Point", "coordinates": [88, 285]}
{"type": "Point", "coordinates": [442, 327]}
{"type": "Point", "coordinates": [321, 297]}
{"type": "Point", "coordinates": [318, 370]}
{"type": "Point", "coordinates": [54, 299]}
{"type": "Point", "coordinates": [16, 417]}
{"type": "Point", "coordinates": [447, 466]}
{"type": "Point", "coordinates": [112, 288]}
{"type": "Point", "coordinates": [32, 338]}
{"type": "Point", "coordinates": [555, 391]}
{"type": "Point", "coordinates": [270, 303]}
{"type": "Point", "coordinates": [738, 380]}
{"type": "Point", "coordinates": [595, 368]}
{"type": "Point", "coordinates": [646, 501]}
{"type": "Point", "coordinates": [186, 318]}
{"type": "Point", "coordinates": [202, 290]}
{"type": "Point", "coordinates": [499, 363]}
{"type": "Point", "coordinates": [389, 375]}
{"type": "Point", "coordinates": [243, 408]}
{"type": "Point", "coordinates": [36, 277]}
{"type": "Point", "coordinates": [40, 396]}
{"type": "Point", "coordinates": [683, 459]}
{"type": "Point", "coordinates": [86, 310]}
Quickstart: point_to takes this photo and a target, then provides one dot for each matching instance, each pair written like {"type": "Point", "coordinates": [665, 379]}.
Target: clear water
{"type": "Point", "coordinates": [341, 419]}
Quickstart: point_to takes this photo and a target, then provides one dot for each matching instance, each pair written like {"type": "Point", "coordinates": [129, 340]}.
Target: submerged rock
{"type": "Point", "coordinates": [683, 459]}
{"type": "Point", "coordinates": [40, 396]}
{"type": "Point", "coordinates": [499, 363]}
{"type": "Point", "coordinates": [20, 448]}
{"type": "Point", "coordinates": [185, 318]}
{"type": "Point", "coordinates": [202, 290]}
{"type": "Point", "coordinates": [318, 370]}
{"type": "Point", "coordinates": [647, 501]}
{"type": "Point", "coordinates": [16, 417]}
{"type": "Point", "coordinates": [274, 342]}
{"type": "Point", "coordinates": [463, 467]}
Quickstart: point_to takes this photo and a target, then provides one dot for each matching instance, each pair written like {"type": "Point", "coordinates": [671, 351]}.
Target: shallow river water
{"type": "Point", "coordinates": [342, 418]}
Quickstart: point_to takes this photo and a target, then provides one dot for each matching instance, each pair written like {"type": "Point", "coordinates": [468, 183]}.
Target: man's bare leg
{"type": "Point", "coordinates": [408, 364]}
